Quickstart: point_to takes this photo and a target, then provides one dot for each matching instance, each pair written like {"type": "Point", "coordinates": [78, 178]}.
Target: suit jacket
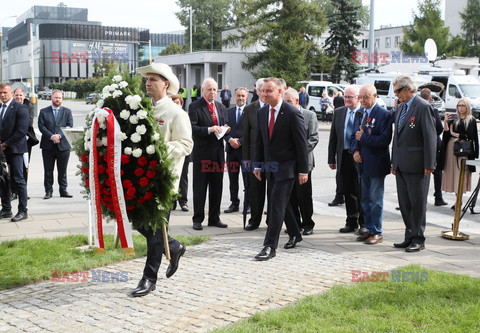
{"type": "Point", "coordinates": [206, 146]}
{"type": "Point", "coordinates": [48, 126]}
{"type": "Point", "coordinates": [235, 132]}
{"type": "Point", "coordinates": [374, 143]}
{"type": "Point", "coordinates": [286, 152]}
{"type": "Point", "coordinates": [223, 95]}
{"type": "Point", "coordinates": [14, 127]}
{"type": "Point", "coordinates": [337, 137]}
{"type": "Point", "coordinates": [311, 127]}
{"type": "Point", "coordinates": [250, 128]}
{"type": "Point", "coordinates": [415, 141]}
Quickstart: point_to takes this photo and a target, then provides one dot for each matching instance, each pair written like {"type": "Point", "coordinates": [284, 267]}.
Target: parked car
{"type": "Point", "coordinates": [92, 98]}
{"type": "Point", "coordinates": [46, 94]}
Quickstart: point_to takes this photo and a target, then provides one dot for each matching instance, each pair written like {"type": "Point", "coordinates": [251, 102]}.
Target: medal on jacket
{"type": "Point", "coordinates": [370, 122]}
{"type": "Point", "coordinates": [412, 122]}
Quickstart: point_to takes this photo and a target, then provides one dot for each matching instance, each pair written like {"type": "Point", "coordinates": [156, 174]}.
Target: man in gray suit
{"type": "Point", "coordinates": [301, 197]}
{"type": "Point", "coordinates": [413, 160]}
{"type": "Point", "coordinates": [54, 145]}
{"type": "Point", "coordinates": [340, 158]}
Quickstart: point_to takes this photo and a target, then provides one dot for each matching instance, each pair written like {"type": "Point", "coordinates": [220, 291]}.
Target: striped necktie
{"type": "Point", "coordinates": [402, 115]}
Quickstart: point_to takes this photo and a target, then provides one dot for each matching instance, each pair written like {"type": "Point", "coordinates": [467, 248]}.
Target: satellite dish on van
{"type": "Point", "coordinates": [430, 49]}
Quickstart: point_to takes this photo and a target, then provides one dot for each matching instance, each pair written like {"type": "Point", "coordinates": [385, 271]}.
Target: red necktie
{"type": "Point", "coordinates": [271, 123]}
{"type": "Point", "coordinates": [211, 107]}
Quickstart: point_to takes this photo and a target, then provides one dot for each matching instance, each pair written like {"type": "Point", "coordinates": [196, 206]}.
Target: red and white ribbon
{"type": "Point", "coordinates": [113, 158]}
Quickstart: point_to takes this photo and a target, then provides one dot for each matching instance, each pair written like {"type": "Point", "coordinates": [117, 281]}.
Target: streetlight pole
{"type": "Point", "coordinates": [1, 44]}
{"type": "Point", "coordinates": [371, 36]}
{"type": "Point", "coordinates": [191, 34]}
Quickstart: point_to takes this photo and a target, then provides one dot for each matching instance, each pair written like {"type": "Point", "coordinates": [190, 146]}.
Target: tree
{"type": "Point", "coordinates": [428, 24]}
{"type": "Point", "coordinates": [285, 34]}
{"type": "Point", "coordinates": [210, 18]}
{"type": "Point", "coordinates": [173, 48]}
{"type": "Point", "coordinates": [344, 26]}
{"type": "Point", "coordinates": [471, 26]}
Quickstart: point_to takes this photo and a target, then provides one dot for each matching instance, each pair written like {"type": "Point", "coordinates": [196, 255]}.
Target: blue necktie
{"type": "Point", "coordinates": [348, 130]}
{"type": "Point", "coordinates": [402, 116]}
{"type": "Point", "coordinates": [239, 115]}
{"type": "Point", "coordinates": [55, 113]}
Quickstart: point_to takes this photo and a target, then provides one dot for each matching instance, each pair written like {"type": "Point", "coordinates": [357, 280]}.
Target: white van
{"type": "Point", "coordinates": [315, 90]}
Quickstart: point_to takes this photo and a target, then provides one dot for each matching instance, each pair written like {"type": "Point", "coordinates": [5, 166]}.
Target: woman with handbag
{"type": "Point", "coordinates": [460, 141]}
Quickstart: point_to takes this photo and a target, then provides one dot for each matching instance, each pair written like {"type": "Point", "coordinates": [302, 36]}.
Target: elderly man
{"type": "Point", "coordinates": [208, 118]}
{"type": "Point", "coordinates": [340, 158]}
{"type": "Point", "coordinates": [413, 160]}
{"type": "Point", "coordinates": [177, 133]}
{"type": "Point", "coordinates": [281, 152]}
{"type": "Point", "coordinates": [55, 147]}
{"type": "Point", "coordinates": [370, 150]}
{"type": "Point", "coordinates": [301, 197]}
{"type": "Point", "coordinates": [13, 142]}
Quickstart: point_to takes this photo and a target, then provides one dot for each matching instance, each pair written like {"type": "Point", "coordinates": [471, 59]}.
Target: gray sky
{"type": "Point", "coordinates": [159, 15]}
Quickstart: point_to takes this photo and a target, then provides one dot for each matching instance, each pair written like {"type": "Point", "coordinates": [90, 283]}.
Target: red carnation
{"type": "Point", "coordinates": [125, 159]}
{"type": "Point", "coordinates": [85, 158]}
{"type": "Point", "coordinates": [130, 207]}
{"type": "Point", "coordinates": [85, 170]}
{"type": "Point", "coordinates": [127, 183]}
{"type": "Point", "coordinates": [131, 192]}
{"type": "Point", "coordinates": [148, 195]}
{"type": "Point", "coordinates": [101, 168]}
{"type": "Point", "coordinates": [150, 174]}
{"type": "Point", "coordinates": [142, 161]}
{"type": "Point", "coordinates": [153, 164]}
{"type": "Point", "coordinates": [139, 172]}
{"type": "Point", "coordinates": [143, 181]}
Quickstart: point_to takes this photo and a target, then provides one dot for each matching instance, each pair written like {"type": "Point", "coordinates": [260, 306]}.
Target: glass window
{"type": "Point", "coordinates": [382, 87]}
{"type": "Point", "coordinates": [387, 42]}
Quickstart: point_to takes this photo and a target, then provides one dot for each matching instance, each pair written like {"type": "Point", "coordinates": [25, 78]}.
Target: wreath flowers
{"type": "Point", "coordinates": [146, 171]}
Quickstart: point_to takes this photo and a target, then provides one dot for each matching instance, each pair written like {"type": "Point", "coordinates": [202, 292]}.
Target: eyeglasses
{"type": "Point", "coordinates": [350, 96]}
{"type": "Point", "coordinates": [397, 91]}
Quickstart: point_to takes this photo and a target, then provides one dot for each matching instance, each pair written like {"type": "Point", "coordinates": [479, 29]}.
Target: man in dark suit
{"type": "Point", "coordinates": [226, 96]}
{"type": "Point", "coordinates": [13, 142]}
{"type": "Point", "coordinates": [256, 188]}
{"type": "Point", "coordinates": [370, 150]}
{"type": "Point", "coordinates": [340, 158]}
{"type": "Point", "coordinates": [234, 142]}
{"type": "Point", "coordinates": [413, 160]}
{"type": "Point", "coordinates": [208, 118]}
{"type": "Point", "coordinates": [55, 147]}
{"type": "Point", "coordinates": [282, 151]}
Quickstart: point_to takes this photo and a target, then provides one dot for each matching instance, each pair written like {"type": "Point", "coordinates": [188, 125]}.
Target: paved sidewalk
{"type": "Point", "coordinates": [218, 282]}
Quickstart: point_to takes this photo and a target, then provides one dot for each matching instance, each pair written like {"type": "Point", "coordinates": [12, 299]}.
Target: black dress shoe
{"type": "Point", "coordinates": [250, 227]}
{"type": "Point", "coordinates": [362, 231]}
{"type": "Point", "coordinates": [144, 287]}
{"type": "Point", "coordinates": [197, 226]}
{"type": "Point", "coordinates": [307, 232]}
{"type": "Point", "coordinates": [66, 195]}
{"type": "Point", "coordinates": [20, 216]}
{"type": "Point", "coordinates": [218, 224]}
{"type": "Point", "coordinates": [266, 254]}
{"type": "Point", "coordinates": [440, 202]}
{"type": "Point", "coordinates": [337, 201]}
{"type": "Point", "coordinates": [292, 242]}
{"type": "Point", "coordinates": [401, 245]}
{"type": "Point", "coordinates": [174, 258]}
{"type": "Point", "coordinates": [415, 247]}
{"type": "Point", "coordinates": [231, 209]}
{"type": "Point", "coordinates": [5, 214]}
{"type": "Point", "coordinates": [347, 228]}
{"type": "Point", "coordinates": [184, 208]}
{"type": "Point", "coordinates": [47, 195]}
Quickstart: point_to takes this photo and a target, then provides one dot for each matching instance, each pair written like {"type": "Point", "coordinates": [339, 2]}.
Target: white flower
{"type": "Point", "coordinates": [117, 93]}
{"type": "Point", "coordinates": [142, 114]}
{"type": "Point", "coordinates": [128, 151]}
{"type": "Point", "coordinates": [86, 145]}
{"type": "Point", "coordinates": [133, 119]}
{"type": "Point", "coordinates": [99, 143]}
{"type": "Point", "coordinates": [137, 152]}
{"type": "Point", "coordinates": [105, 141]}
{"type": "Point", "coordinates": [141, 129]}
{"type": "Point", "coordinates": [133, 101]}
{"type": "Point", "coordinates": [100, 118]}
{"type": "Point", "coordinates": [87, 134]}
{"type": "Point", "coordinates": [113, 87]}
{"type": "Point", "coordinates": [122, 136]}
{"type": "Point", "coordinates": [100, 103]}
{"type": "Point", "coordinates": [150, 149]}
{"type": "Point", "coordinates": [117, 78]}
{"type": "Point", "coordinates": [105, 95]}
{"type": "Point", "coordinates": [123, 84]}
{"type": "Point", "coordinates": [106, 89]}
{"type": "Point", "coordinates": [135, 137]}
{"type": "Point", "coordinates": [103, 125]}
{"type": "Point", "coordinates": [156, 137]}
{"type": "Point", "coordinates": [124, 114]}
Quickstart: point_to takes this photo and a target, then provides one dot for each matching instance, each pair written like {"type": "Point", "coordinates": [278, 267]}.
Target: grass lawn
{"type": "Point", "coordinates": [445, 303]}
{"type": "Point", "coordinates": [26, 261]}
